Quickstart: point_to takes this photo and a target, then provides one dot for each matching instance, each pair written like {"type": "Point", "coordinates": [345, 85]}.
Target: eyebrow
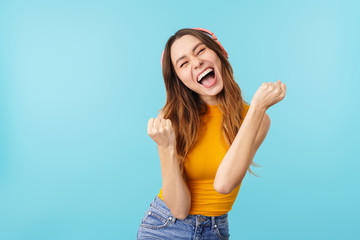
{"type": "Point", "coordinates": [193, 50]}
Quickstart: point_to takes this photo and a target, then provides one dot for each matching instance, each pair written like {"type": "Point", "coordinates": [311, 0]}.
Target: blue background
{"type": "Point", "coordinates": [80, 79]}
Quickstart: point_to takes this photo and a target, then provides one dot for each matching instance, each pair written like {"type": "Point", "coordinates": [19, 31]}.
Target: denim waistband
{"type": "Point", "coordinates": [160, 205]}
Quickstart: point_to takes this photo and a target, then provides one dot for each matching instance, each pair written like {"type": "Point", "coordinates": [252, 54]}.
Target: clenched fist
{"type": "Point", "coordinates": [162, 132]}
{"type": "Point", "coordinates": [269, 94]}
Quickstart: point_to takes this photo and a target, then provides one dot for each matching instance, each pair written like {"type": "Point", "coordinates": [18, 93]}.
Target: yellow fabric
{"type": "Point", "coordinates": [201, 165]}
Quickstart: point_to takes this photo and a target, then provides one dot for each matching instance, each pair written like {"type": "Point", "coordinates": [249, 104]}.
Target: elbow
{"type": "Point", "coordinates": [181, 214]}
{"type": "Point", "coordinates": [179, 208]}
{"type": "Point", "coordinates": [222, 188]}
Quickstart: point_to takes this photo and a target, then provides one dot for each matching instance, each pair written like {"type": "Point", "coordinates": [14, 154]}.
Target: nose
{"type": "Point", "coordinates": [197, 62]}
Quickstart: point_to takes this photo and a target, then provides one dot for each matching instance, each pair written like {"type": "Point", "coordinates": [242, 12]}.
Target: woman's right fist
{"type": "Point", "coordinates": [162, 132]}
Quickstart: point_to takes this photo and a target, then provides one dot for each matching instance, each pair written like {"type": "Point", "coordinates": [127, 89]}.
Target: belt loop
{"type": "Point", "coordinates": [174, 219]}
{"type": "Point", "coordinates": [213, 221]}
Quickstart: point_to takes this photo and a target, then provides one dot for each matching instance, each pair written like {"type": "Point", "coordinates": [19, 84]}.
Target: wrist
{"type": "Point", "coordinates": [258, 107]}
{"type": "Point", "coordinates": [167, 149]}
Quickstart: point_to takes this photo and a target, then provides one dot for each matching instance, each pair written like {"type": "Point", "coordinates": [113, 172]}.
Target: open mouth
{"type": "Point", "coordinates": [207, 78]}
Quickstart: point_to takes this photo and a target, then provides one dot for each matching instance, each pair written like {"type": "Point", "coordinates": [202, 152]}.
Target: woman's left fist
{"type": "Point", "coordinates": [269, 94]}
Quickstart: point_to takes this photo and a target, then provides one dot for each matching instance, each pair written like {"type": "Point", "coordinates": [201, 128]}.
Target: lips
{"type": "Point", "coordinates": [202, 72]}
{"type": "Point", "coordinates": [209, 83]}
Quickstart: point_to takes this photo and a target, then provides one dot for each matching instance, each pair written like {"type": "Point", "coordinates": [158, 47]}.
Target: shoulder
{"type": "Point", "coordinates": [245, 108]}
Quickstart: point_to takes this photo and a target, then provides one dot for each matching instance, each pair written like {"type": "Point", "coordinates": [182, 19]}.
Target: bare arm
{"type": "Point", "coordinates": [251, 134]}
{"type": "Point", "coordinates": [238, 158]}
{"type": "Point", "coordinates": [175, 191]}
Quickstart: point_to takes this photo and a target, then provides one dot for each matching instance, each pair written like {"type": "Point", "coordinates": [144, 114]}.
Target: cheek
{"type": "Point", "coordinates": [218, 64]}
{"type": "Point", "coordinates": [183, 80]}
{"type": "Point", "coordinates": [217, 60]}
{"type": "Point", "coordinates": [185, 77]}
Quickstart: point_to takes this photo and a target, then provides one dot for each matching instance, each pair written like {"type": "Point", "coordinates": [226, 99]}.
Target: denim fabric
{"type": "Point", "coordinates": [159, 223]}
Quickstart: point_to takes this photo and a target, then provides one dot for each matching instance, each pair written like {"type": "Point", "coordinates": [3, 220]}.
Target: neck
{"type": "Point", "coordinates": [209, 100]}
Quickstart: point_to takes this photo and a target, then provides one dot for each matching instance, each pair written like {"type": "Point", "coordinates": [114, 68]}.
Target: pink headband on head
{"type": "Point", "coordinates": [212, 35]}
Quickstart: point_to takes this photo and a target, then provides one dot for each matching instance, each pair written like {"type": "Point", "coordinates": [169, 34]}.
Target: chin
{"type": "Point", "coordinates": [218, 89]}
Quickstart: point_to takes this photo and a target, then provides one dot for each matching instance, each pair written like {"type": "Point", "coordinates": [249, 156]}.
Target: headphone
{"type": "Point", "coordinates": [213, 37]}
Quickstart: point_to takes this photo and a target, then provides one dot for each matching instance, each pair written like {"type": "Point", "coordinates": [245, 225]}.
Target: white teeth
{"type": "Point", "coordinates": [204, 73]}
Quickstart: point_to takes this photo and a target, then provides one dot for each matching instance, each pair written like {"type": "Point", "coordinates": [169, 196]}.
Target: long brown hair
{"type": "Point", "coordinates": [184, 107]}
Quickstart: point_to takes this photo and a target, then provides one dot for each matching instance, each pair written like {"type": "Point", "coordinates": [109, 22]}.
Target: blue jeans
{"type": "Point", "coordinates": [159, 223]}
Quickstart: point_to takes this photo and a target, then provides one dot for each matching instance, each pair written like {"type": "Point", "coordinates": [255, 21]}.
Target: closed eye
{"type": "Point", "coordinates": [198, 54]}
{"type": "Point", "coordinates": [183, 64]}
{"type": "Point", "coordinates": [201, 51]}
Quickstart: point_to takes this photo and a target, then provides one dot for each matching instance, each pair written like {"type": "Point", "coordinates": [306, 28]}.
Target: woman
{"type": "Point", "coordinates": [205, 142]}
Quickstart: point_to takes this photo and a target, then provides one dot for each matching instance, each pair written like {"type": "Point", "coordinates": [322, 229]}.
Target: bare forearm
{"type": "Point", "coordinates": [238, 158]}
{"type": "Point", "coordinates": [175, 191]}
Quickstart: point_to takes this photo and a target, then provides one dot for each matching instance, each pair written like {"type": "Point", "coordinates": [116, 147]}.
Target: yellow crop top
{"type": "Point", "coordinates": [201, 165]}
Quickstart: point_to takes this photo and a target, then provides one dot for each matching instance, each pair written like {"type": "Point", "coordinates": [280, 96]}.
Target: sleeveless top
{"type": "Point", "coordinates": [201, 165]}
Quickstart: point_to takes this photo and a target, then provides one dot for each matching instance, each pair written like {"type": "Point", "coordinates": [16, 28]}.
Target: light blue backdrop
{"type": "Point", "coordinates": [80, 79]}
